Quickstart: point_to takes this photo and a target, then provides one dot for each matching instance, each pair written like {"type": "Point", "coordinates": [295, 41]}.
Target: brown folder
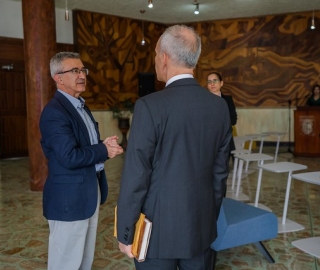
{"type": "Point", "coordinates": [141, 236]}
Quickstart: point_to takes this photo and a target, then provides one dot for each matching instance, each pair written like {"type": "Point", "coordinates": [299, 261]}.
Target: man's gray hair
{"type": "Point", "coordinates": [55, 62]}
{"type": "Point", "coordinates": [184, 50]}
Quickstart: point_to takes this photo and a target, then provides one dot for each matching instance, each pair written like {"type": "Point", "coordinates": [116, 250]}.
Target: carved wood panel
{"type": "Point", "coordinates": [265, 61]}
{"type": "Point", "coordinates": [111, 48]}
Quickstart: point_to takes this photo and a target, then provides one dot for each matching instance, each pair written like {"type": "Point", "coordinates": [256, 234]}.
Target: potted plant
{"type": "Point", "coordinates": [123, 111]}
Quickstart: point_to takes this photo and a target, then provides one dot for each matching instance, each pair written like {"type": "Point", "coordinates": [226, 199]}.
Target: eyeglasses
{"type": "Point", "coordinates": [76, 71]}
{"type": "Point", "coordinates": [213, 81]}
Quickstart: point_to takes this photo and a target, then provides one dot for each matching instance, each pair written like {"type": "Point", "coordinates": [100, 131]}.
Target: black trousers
{"type": "Point", "coordinates": [204, 261]}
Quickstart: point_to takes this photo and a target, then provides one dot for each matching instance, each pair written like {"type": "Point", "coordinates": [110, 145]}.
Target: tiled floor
{"type": "Point", "coordinates": [24, 231]}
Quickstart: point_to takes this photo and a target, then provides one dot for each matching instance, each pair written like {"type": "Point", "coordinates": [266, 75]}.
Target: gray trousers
{"type": "Point", "coordinates": [72, 244]}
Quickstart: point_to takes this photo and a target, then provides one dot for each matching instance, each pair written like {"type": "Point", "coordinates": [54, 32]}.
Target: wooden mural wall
{"type": "Point", "coordinates": [111, 48]}
{"type": "Point", "coordinates": [265, 61]}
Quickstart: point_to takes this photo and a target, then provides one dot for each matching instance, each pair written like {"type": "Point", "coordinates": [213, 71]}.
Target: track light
{"type": "Point", "coordinates": [150, 5]}
{"type": "Point", "coordinates": [312, 22]}
{"type": "Point", "coordinates": [66, 14]}
{"type": "Point", "coordinates": [196, 11]}
{"type": "Point", "coordinates": [143, 42]}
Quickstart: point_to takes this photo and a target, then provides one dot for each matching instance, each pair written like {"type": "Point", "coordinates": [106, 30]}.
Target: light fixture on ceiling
{"type": "Point", "coordinates": [66, 14]}
{"type": "Point", "coordinates": [196, 11]}
{"type": "Point", "coordinates": [143, 42]}
{"type": "Point", "coordinates": [312, 22]}
{"type": "Point", "coordinates": [150, 4]}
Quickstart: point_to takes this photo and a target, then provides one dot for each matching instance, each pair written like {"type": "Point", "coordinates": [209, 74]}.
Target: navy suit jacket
{"type": "Point", "coordinates": [175, 169]}
{"type": "Point", "coordinates": [71, 191]}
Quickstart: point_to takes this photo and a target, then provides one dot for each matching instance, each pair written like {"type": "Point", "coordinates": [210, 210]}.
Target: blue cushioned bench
{"type": "Point", "coordinates": [241, 224]}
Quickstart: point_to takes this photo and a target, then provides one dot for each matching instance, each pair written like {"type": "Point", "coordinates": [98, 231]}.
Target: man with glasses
{"type": "Point", "coordinates": [76, 183]}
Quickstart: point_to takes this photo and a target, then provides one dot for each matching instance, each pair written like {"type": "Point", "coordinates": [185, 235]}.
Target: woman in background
{"type": "Point", "coordinates": [314, 100]}
{"type": "Point", "coordinates": [214, 84]}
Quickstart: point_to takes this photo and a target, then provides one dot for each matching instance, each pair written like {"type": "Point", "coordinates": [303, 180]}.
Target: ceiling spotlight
{"type": "Point", "coordinates": [312, 25]}
{"type": "Point", "coordinates": [66, 14]}
{"type": "Point", "coordinates": [196, 11]}
{"type": "Point", "coordinates": [312, 22]}
{"type": "Point", "coordinates": [150, 5]}
{"type": "Point", "coordinates": [143, 42]}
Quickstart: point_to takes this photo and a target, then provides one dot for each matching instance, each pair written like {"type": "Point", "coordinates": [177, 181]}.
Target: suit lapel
{"type": "Point", "coordinates": [73, 112]}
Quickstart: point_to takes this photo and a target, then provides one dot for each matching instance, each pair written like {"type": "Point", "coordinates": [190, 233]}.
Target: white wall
{"type": "Point", "coordinates": [108, 126]}
{"type": "Point", "coordinates": [11, 22]}
{"type": "Point", "coordinates": [250, 121]}
{"type": "Point", "coordinates": [258, 120]}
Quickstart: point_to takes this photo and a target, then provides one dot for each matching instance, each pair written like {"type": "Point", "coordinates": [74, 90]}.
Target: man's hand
{"type": "Point", "coordinates": [112, 141]}
{"type": "Point", "coordinates": [113, 147]}
{"type": "Point", "coordinates": [126, 249]}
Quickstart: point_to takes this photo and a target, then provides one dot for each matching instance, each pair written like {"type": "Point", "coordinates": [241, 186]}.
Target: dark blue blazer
{"type": "Point", "coordinates": [70, 191]}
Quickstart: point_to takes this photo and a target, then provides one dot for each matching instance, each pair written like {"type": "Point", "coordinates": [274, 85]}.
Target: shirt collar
{"type": "Point", "coordinates": [76, 102]}
{"type": "Point", "coordinates": [178, 77]}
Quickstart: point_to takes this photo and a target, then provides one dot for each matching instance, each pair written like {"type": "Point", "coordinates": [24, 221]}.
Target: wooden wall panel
{"type": "Point", "coordinates": [11, 49]}
{"type": "Point", "coordinates": [13, 114]}
{"type": "Point", "coordinates": [13, 111]}
{"type": "Point", "coordinates": [265, 61]}
{"type": "Point", "coordinates": [111, 48]}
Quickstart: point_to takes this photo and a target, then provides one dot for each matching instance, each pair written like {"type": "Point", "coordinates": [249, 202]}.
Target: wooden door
{"type": "Point", "coordinates": [13, 112]}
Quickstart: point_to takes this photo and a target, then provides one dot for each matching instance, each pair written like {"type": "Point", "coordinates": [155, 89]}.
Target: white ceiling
{"type": "Point", "coordinates": [181, 11]}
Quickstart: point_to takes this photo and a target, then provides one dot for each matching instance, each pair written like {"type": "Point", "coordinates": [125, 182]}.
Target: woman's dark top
{"type": "Point", "coordinates": [312, 102]}
{"type": "Point", "coordinates": [233, 116]}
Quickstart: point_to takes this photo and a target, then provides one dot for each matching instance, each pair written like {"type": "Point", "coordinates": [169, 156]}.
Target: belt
{"type": "Point", "coordinates": [98, 174]}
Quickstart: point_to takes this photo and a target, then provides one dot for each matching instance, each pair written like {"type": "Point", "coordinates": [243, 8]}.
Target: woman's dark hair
{"type": "Point", "coordinates": [216, 73]}
{"type": "Point", "coordinates": [314, 87]}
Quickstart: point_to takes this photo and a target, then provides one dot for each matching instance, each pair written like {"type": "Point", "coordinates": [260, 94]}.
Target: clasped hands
{"type": "Point", "coordinates": [113, 147]}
